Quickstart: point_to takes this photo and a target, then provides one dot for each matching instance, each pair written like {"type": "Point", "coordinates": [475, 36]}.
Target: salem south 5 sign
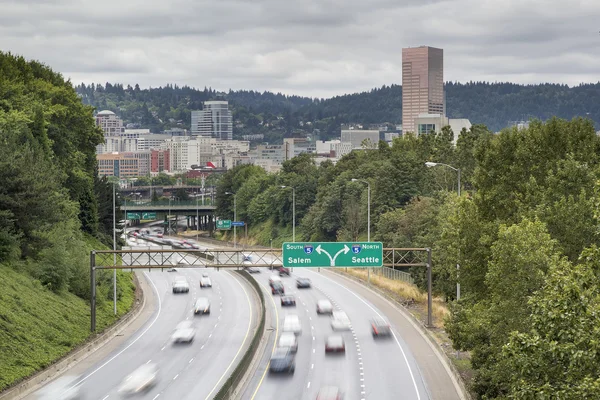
{"type": "Point", "coordinates": [332, 254]}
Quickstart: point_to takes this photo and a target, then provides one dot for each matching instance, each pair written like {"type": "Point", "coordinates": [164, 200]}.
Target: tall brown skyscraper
{"type": "Point", "coordinates": [422, 84]}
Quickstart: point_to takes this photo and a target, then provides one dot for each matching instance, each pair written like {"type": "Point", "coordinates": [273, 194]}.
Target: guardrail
{"type": "Point", "coordinates": [228, 389]}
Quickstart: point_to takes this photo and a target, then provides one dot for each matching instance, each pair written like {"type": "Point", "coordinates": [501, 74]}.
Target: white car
{"type": "Point", "coordinates": [340, 321]}
{"type": "Point", "coordinates": [184, 332]}
{"type": "Point", "coordinates": [62, 388]}
{"type": "Point", "coordinates": [291, 323]}
{"type": "Point", "coordinates": [205, 282]}
{"type": "Point", "coordinates": [141, 380]}
{"type": "Point", "coordinates": [202, 306]}
{"type": "Point", "coordinates": [181, 285]}
{"type": "Point", "coordinates": [324, 307]}
{"type": "Point", "coordinates": [288, 339]}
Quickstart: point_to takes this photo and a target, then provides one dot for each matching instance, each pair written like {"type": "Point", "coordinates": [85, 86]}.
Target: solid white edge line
{"type": "Point", "coordinates": [380, 316]}
{"type": "Point", "coordinates": [133, 342]}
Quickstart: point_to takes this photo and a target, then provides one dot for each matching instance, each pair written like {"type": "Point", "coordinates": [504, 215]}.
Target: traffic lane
{"type": "Point", "coordinates": [398, 372]}
{"type": "Point", "coordinates": [339, 370]}
{"type": "Point", "coordinates": [314, 369]}
{"type": "Point", "coordinates": [438, 378]}
{"type": "Point", "coordinates": [173, 308]}
{"type": "Point", "coordinates": [173, 360]}
{"type": "Point", "coordinates": [261, 370]}
{"type": "Point", "coordinates": [229, 332]}
{"type": "Point", "coordinates": [289, 386]}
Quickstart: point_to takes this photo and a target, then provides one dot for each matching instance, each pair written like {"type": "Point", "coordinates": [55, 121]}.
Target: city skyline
{"type": "Point", "coordinates": [307, 48]}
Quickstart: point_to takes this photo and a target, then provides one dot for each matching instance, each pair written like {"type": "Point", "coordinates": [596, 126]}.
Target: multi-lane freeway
{"type": "Point", "coordinates": [186, 371]}
{"type": "Point", "coordinates": [368, 369]}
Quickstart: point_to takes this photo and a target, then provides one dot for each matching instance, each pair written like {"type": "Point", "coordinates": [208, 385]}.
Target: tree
{"type": "Point", "coordinates": [521, 256]}
{"type": "Point", "coordinates": [560, 354]}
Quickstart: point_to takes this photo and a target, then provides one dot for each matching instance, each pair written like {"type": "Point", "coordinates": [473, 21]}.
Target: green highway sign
{"type": "Point", "coordinates": [332, 254]}
{"type": "Point", "coordinates": [133, 215]}
{"type": "Point", "coordinates": [149, 215]}
{"type": "Point", "coordinates": [224, 224]}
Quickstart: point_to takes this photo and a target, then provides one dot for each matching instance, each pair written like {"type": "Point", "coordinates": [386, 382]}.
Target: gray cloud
{"type": "Point", "coordinates": [316, 48]}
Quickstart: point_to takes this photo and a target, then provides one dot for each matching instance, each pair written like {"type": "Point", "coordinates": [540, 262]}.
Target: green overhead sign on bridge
{"type": "Point", "coordinates": [332, 254]}
{"type": "Point", "coordinates": [137, 215]}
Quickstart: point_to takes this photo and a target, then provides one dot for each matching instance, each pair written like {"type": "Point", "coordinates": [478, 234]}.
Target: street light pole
{"type": "Point", "coordinates": [430, 164]}
{"type": "Point", "coordinates": [235, 219]}
{"type": "Point", "coordinates": [368, 206]}
{"type": "Point", "coordinates": [293, 211]}
{"type": "Point", "coordinates": [368, 218]}
{"type": "Point", "coordinates": [115, 249]}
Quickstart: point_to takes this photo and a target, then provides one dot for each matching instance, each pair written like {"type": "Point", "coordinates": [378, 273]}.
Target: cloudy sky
{"type": "Point", "coordinates": [317, 48]}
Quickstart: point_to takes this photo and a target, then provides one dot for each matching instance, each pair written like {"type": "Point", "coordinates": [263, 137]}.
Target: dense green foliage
{"type": "Point", "coordinates": [38, 326]}
{"type": "Point", "coordinates": [524, 233]}
{"type": "Point", "coordinates": [53, 210]}
{"type": "Point", "coordinates": [496, 105]}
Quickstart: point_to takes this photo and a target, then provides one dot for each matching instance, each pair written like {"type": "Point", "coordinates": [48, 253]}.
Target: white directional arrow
{"type": "Point", "coordinates": [320, 250]}
{"type": "Point", "coordinates": [345, 250]}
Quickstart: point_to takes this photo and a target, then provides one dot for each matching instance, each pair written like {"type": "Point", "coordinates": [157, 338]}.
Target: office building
{"type": "Point", "coordinates": [214, 120]}
{"type": "Point", "coordinates": [122, 165]}
{"type": "Point", "coordinates": [110, 123]}
{"type": "Point", "coordinates": [361, 138]}
{"type": "Point", "coordinates": [422, 84]}
{"type": "Point", "coordinates": [159, 161]}
{"type": "Point", "coordinates": [428, 123]}
{"type": "Point", "coordinates": [178, 153]}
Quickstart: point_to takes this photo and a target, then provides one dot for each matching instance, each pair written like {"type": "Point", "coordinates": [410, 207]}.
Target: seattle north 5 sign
{"type": "Point", "coordinates": [333, 254]}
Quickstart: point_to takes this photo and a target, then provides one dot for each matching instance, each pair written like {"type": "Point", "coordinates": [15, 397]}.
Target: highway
{"type": "Point", "coordinates": [194, 371]}
{"type": "Point", "coordinates": [370, 369]}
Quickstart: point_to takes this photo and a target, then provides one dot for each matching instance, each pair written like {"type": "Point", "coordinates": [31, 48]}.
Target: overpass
{"type": "Point", "coordinates": [190, 209]}
{"type": "Point", "coordinates": [161, 190]}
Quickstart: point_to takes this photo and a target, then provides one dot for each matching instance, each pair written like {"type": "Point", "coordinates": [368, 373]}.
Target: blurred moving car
{"type": "Point", "coordinates": [288, 339]}
{"type": "Point", "coordinates": [252, 270]}
{"type": "Point", "coordinates": [205, 274]}
{"type": "Point", "coordinates": [277, 288]}
{"type": "Point", "coordinates": [140, 380]}
{"type": "Point", "coordinates": [181, 285]}
{"type": "Point", "coordinates": [303, 283]}
{"type": "Point", "coordinates": [291, 323]}
{"type": "Point", "coordinates": [335, 344]}
{"type": "Point", "coordinates": [202, 306]}
{"type": "Point", "coordinates": [205, 282]}
{"type": "Point", "coordinates": [273, 279]}
{"type": "Point", "coordinates": [288, 301]}
{"type": "Point", "coordinates": [284, 271]}
{"type": "Point", "coordinates": [329, 393]}
{"type": "Point", "coordinates": [62, 388]}
{"type": "Point", "coordinates": [324, 307]}
{"type": "Point", "coordinates": [340, 321]}
{"type": "Point", "coordinates": [380, 327]}
{"type": "Point", "coordinates": [282, 360]}
{"type": "Point", "coordinates": [172, 270]}
{"type": "Point", "coordinates": [184, 332]}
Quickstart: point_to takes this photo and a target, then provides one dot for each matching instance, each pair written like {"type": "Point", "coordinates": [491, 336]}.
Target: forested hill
{"type": "Point", "coordinates": [495, 105]}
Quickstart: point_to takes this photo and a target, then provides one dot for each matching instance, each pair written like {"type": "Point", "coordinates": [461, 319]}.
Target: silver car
{"type": "Point", "coordinates": [140, 380]}
{"type": "Point", "coordinates": [181, 286]}
{"type": "Point", "coordinates": [184, 333]}
{"type": "Point", "coordinates": [288, 339]}
{"type": "Point", "coordinates": [340, 321]}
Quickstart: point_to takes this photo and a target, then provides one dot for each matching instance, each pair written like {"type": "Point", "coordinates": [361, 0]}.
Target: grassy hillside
{"type": "Point", "coordinates": [38, 326]}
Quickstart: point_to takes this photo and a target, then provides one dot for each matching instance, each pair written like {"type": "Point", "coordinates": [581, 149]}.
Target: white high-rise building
{"type": "Point", "coordinates": [214, 120]}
